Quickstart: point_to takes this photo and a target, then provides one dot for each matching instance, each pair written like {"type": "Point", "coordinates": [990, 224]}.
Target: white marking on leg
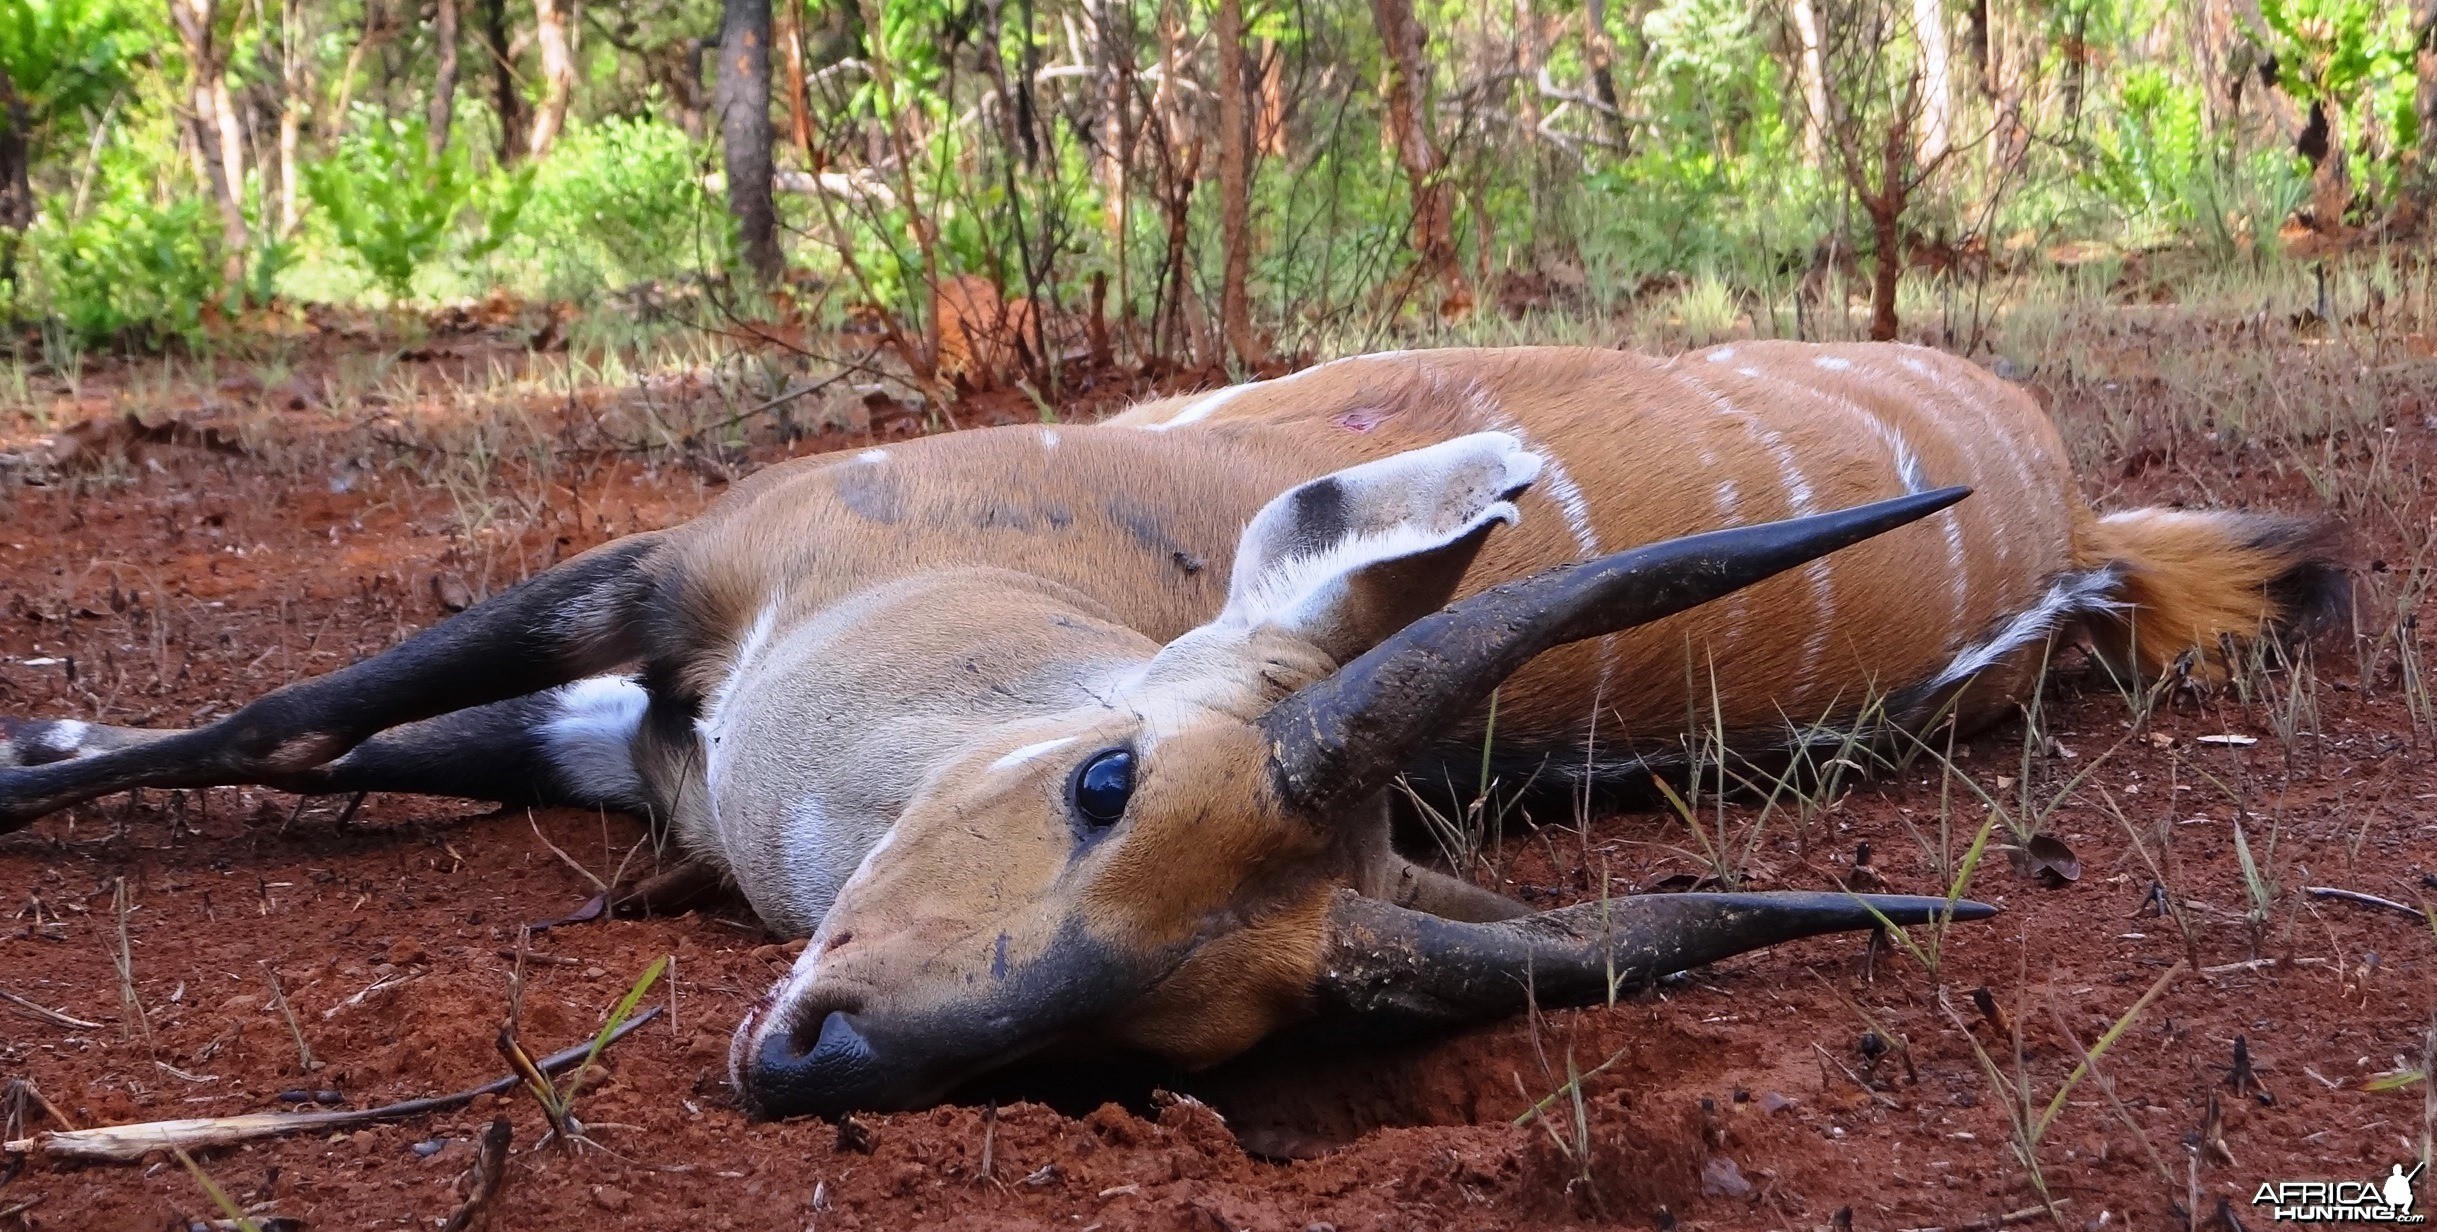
{"type": "Point", "coordinates": [590, 740]}
{"type": "Point", "coordinates": [1030, 751]}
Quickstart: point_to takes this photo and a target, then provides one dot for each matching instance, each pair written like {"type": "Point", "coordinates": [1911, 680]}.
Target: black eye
{"type": "Point", "coordinates": [1102, 788]}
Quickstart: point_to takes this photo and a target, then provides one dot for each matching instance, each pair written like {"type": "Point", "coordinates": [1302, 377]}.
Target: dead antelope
{"type": "Point", "coordinates": [1082, 737]}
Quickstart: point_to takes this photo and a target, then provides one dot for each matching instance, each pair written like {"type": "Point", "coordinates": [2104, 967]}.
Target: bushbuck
{"type": "Point", "coordinates": [1082, 737]}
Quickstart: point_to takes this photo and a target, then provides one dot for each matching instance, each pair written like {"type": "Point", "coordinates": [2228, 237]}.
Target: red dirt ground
{"type": "Point", "coordinates": [1744, 1097]}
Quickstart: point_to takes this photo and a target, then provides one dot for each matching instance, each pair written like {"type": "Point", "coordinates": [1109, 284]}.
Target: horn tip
{"type": "Point", "coordinates": [1967, 909]}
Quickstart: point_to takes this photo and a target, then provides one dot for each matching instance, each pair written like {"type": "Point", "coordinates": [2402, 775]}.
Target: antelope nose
{"type": "Point", "coordinates": [839, 1073]}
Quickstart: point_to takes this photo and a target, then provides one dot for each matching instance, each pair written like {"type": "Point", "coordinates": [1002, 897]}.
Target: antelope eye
{"type": "Point", "coordinates": [1102, 788]}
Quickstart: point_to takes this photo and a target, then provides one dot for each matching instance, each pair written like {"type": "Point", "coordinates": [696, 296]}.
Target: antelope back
{"type": "Point", "coordinates": [1639, 450]}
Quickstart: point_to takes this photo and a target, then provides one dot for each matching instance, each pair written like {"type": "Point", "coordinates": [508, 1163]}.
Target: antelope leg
{"type": "Point", "coordinates": [575, 620]}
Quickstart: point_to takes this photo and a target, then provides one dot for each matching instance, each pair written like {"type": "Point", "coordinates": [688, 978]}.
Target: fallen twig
{"type": "Point", "coordinates": [130, 1143]}
{"type": "Point", "coordinates": [2366, 900]}
{"type": "Point", "coordinates": [1881, 1097]}
{"type": "Point", "coordinates": [43, 1013]}
{"type": "Point", "coordinates": [2010, 1217]}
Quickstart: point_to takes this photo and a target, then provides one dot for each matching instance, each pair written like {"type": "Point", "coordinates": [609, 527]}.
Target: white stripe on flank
{"type": "Point", "coordinates": [1833, 363]}
{"type": "Point", "coordinates": [1030, 751]}
{"type": "Point", "coordinates": [1567, 495]}
{"type": "Point", "coordinates": [1730, 514]}
{"type": "Point", "coordinates": [1200, 408]}
{"type": "Point", "coordinates": [1803, 502]}
{"type": "Point", "coordinates": [2072, 594]}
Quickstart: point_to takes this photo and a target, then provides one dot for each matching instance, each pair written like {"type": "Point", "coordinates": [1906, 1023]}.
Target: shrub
{"type": "Point", "coordinates": [396, 206]}
{"type": "Point", "coordinates": [619, 201]}
{"type": "Point", "coordinates": [129, 272]}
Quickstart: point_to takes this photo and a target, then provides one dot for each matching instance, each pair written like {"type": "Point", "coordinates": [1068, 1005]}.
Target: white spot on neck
{"type": "Point", "coordinates": [1722, 355]}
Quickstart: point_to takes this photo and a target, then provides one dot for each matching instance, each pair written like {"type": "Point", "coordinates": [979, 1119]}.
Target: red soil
{"type": "Point", "coordinates": [1744, 1097]}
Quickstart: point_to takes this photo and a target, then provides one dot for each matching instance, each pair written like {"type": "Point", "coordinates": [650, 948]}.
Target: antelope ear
{"type": "Point", "coordinates": [1351, 557]}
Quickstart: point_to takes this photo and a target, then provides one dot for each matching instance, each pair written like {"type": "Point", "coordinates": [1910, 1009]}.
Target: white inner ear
{"type": "Point", "coordinates": [1298, 555]}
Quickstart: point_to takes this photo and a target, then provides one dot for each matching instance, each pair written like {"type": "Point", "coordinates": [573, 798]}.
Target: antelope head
{"type": "Point", "coordinates": [1181, 848]}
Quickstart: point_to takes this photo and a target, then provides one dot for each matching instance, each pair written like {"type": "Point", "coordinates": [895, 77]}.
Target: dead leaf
{"type": "Point", "coordinates": [2047, 857]}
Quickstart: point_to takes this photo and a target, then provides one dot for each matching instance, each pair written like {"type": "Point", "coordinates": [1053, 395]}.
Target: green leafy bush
{"type": "Point", "coordinates": [619, 201]}
{"type": "Point", "coordinates": [129, 272]}
{"type": "Point", "coordinates": [396, 205]}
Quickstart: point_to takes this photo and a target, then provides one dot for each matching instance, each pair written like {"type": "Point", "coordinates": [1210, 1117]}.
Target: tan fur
{"type": "Point", "coordinates": [2192, 580]}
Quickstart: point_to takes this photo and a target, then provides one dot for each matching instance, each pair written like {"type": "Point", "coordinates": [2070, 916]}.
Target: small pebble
{"type": "Point", "coordinates": [593, 973]}
{"type": "Point", "coordinates": [425, 1150]}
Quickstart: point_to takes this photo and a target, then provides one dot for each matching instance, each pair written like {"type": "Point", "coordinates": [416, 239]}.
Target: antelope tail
{"type": "Point", "coordinates": [2193, 579]}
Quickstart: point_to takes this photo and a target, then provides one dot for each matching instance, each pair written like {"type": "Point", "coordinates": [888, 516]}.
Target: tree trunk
{"type": "Point", "coordinates": [1235, 176]}
{"type": "Point", "coordinates": [292, 85]}
{"type": "Point", "coordinates": [1887, 233]}
{"type": "Point", "coordinates": [220, 149]}
{"type": "Point", "coordinates": [1269, 120]}
{"type": "Point", "coordinates": [1409, 129]}
{"type": "Point", "coordinates": [444, 76]}
{"type": "Point", "coordinates": [2322, 142]}
{"type": "Point", "coordinates": [1976, 46]}
{"type": "Point", "coordinates": [788, 25]}
{"type": "Point", "coordinates": [1112, 42]}
{"type": "Point", "coordinates": [1811, 67]}
{"type": "Point", "coordinates": [1599, 55]}
{"type": "Point", "coordinates": [2077, 68]}
{"type": "Point", "coordinates": [1937, 80]}
{"type": "Point", "coordinates": [744, 128]}
{"type": "Point", "coordinates": [506, 100]}
{"type": "Point", "coordinates": [550, 34]}
{"type": "Point", "coordinates": [16, 186]}
{"type": "Point", "coordinates": [2419, 180]}
{"type": "Point", "coordinates": [2213, 63]}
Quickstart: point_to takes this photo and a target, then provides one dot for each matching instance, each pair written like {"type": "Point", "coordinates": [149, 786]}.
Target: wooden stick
{"type": "Point", "coordinates": [44, 1013]}
{"type": "Point", "coordinates": [130, 1143]}
{"type": "Point", "coordinates": [2010, 1217]}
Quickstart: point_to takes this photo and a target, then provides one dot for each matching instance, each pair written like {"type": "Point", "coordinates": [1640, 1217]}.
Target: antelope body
{"type": "Point", "coordinates": [1080, 735]}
